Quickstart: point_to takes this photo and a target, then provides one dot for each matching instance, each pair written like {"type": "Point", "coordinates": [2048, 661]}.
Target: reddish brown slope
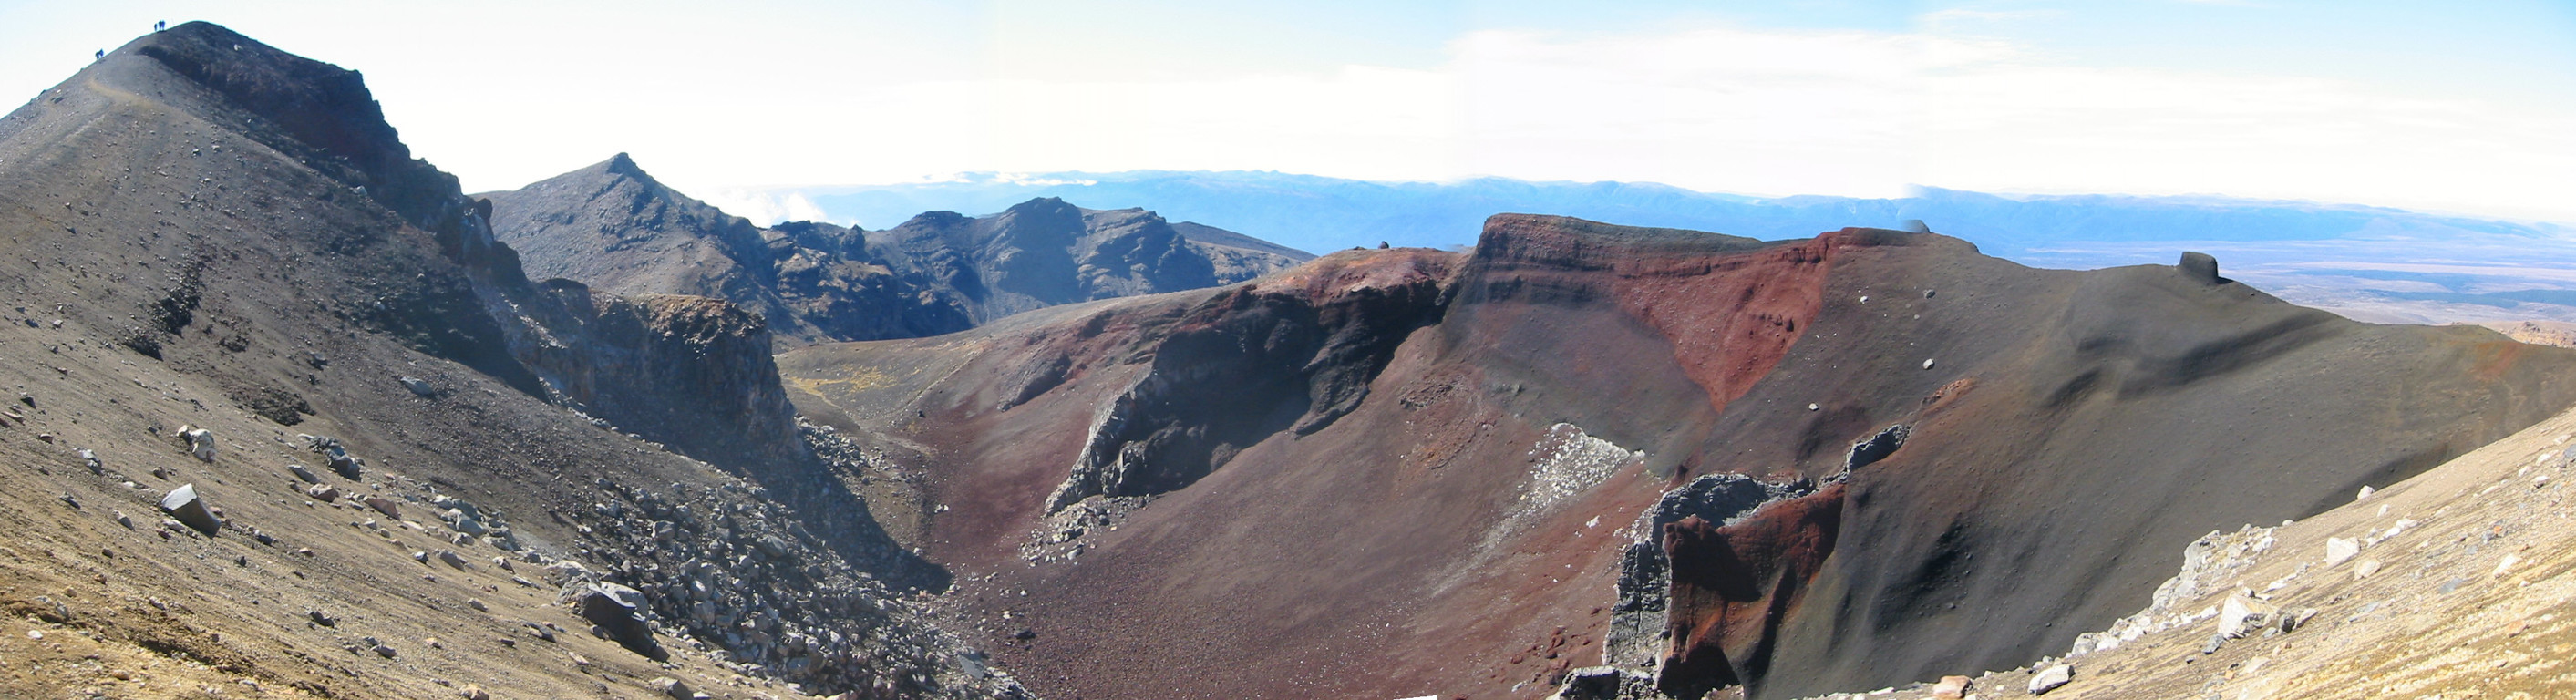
{"type": "Point", "coordinates": [1366, 557]}
{"type": "Point", "coordinates": [1439, 533]}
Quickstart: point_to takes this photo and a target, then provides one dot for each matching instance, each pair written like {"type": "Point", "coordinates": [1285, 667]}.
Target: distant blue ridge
{"type": "Point", "coordinates": [1322, 214]}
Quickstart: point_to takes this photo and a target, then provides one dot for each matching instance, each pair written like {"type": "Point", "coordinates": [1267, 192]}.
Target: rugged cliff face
{"type": "Point", "coordinates": [225, 237]}
{"type": "Point", "coordinates": [613, 227]}
{"type": "Point", "coordinates": [1939, 460]}
{"type": "Point", "coordinates": [692, 371]}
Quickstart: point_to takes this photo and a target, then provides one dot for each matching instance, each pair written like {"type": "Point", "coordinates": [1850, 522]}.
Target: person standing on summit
{"type": "Point", "coordinates": [158, 25]}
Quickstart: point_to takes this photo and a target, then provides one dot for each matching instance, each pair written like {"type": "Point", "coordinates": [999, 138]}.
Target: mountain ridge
{"type": "Point", "coordinates": [614, 226]}
{"type": "Point", "coordinates": [220, 240]}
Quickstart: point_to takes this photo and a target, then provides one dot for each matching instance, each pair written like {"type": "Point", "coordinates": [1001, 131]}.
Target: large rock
{"type": "Point", "coordinates": [200, 442]}
{"type": "Point", "coordinates": [2051, 678]}
{"type": "Point", "coordinates": [183, 504]}
{"type": "Point", "coordinates": [1606, 683]}
{"type": "Point", "coordinates": [383, 505]}
{"type": "Point", "coordinates": [618, 610]}
{"type": "Point", "coordinates": [2243, 615]}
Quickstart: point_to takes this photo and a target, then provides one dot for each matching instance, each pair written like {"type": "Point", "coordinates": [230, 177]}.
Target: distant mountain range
{"type": "Point", "coordinates": [2359, 260]}
{"type": "Point", "coordinates": [613, 227]}
{"type": "Point", "coordinates": [1323, 213]}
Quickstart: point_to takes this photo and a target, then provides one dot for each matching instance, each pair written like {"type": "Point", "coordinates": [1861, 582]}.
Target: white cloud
{"type": "Point", "coordinates": [1762, 112]}
{"type": "Point", "coordinates": [2064, 129]}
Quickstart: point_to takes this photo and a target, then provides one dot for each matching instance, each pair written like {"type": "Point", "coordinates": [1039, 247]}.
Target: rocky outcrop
{"type": "Point", "coordinates": [1292, 354]}
{"type": "Point", "coordinates": [1641, 626]}
{"type": "Point", "coordinates": [1734, 584]}
{"type": "Point", "coordinates": [689, 371]}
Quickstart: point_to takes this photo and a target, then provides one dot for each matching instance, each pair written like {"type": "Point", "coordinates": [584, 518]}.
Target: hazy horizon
{"type": "Point", "coordinates": [2443, 109]}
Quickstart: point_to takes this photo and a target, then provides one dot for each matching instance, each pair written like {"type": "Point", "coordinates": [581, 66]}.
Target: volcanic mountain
{"type": "Point", "coordinates": [291, 420]}
{"type": "Point", "coordinates": [613, 227]}
{"type": "Point", "coordinates": [284, 420]}
{"type": "Point", "coordinates": [1851, 461]}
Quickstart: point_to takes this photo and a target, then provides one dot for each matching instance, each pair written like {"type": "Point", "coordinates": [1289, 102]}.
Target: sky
{"type": "Point", "coordinates": [2454, 107]}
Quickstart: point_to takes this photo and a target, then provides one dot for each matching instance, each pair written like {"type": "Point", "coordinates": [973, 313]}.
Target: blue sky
{"type": "Point", "coordinates": [2463, 107]}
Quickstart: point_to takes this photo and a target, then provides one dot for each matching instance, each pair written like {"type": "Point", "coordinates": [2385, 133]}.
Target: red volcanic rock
{"type": "Point", "coordinates": [1733, 584]}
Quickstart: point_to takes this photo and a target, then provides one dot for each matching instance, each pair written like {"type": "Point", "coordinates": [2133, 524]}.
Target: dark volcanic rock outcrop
{"type": "Point", "coordinates": [1990, 447]}
{"type": "Point", "coordinates": [691, 371]}
{"type": "Point", "coordinates": [613, 227]}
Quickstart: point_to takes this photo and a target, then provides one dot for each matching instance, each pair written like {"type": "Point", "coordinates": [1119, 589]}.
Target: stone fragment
{"type": "Point", "coordinates": [418, 388]}
{"type": "Point", "coordinates": [383, 505]}
{"type": "Point", "coordinates": [1951, 688]}
{"type": "Point", "coordinates": [325, 493]}
{"type": "Point", "coordinates": [667, 685]}
{"type": "Point", "coordinates": [384, 651]}
{"type": "Point", "coordinates": [347, 466]}
{"type": "Point", "coordinates": [473, 692]}
{"type": "Point", "coordinates": [321, 618]}
{"type": "Point", "coordinates": [200, 442]}
{"type": "Point", "coordinates": [463, 522]}
{"type": "Point", "coordinates": [183, 504]}
{"type": "Point", "coordinates": [2242, 615]}
{"type": "Point", "coordinates": [2052, 678]}
{"type": "Point", "coordinates": [1604, 683]}
{"type": "Point", "coordinates": [302, 473]}
{"type": "Point", "coordinates": [2365, 569]}
{"type": "Point", "coordinates": [451, 558]}
{"type": "Point", "coordinates": [2340, 550]}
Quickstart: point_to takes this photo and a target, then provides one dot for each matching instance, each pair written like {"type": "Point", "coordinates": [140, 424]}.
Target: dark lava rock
{"type": "Point", "coordinates": [619, 610]}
